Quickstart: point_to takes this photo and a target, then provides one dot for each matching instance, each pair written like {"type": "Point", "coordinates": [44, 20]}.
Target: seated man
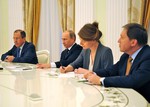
{"type": "Point", "coordinates": [22, 51]}
{"type": "Point", "coordinates": [71, 52]}
{"type": "Point", "coordinates": [134, 73]}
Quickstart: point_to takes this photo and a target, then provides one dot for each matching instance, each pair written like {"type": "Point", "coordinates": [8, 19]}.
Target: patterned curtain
{"type": "Point", "coordinates": [66, 10]}
{"type": "Point", "coordinates": [138, 12]}
{"type": "Point", "coordinates": [31, 19]}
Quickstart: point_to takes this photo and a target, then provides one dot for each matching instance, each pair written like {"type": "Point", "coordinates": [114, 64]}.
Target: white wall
{"type": "Point", "coordinates": [15, 18]}
{"type": "Point", "coordinates": [83, 14]}
{"type": "Point", "coordinates": [116, 18]}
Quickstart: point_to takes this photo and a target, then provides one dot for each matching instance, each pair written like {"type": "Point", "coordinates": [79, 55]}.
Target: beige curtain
{"type": "Point", "coordinates": [66, 10]}
{"type": "Point", "coordinates": [31, 19]}
{"type": "Point", "coordinates": [138, 12]}
{"type": "Point", "coordinates": [146, 14]}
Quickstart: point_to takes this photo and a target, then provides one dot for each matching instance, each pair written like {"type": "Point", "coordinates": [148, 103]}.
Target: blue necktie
{"type": "Point", "coordinates": [18, 52]}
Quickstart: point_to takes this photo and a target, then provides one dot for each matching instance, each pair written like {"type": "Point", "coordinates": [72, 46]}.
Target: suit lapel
{"type": "Point", "coordinates": [98, 53]}
{"type": "Point", "coordinates": [23, 49]}
{"type": "Point", "coordinates": [137, 59]}
{"type": "Point", "coordinates": [67, 54]}
{"type": "Point", "coordinates": [124, 67]}
{"type": "Point", "coordinates": [87, 58]}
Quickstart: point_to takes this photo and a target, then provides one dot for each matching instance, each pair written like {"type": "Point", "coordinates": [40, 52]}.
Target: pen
{"type": "Point", "coordinates": [27, 68]}
{"type": "Point", "coordinates": [83, 80]}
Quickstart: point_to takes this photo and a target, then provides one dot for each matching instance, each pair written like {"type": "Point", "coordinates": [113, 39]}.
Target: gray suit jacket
{"type": "Point", "coordinates": [103, 58]}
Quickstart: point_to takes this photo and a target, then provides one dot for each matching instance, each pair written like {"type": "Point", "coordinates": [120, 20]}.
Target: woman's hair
{"type": "Point", "coordinates": [90, 32]}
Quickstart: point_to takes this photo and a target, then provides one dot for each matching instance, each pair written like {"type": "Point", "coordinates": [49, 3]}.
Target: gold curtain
{"type": "Point", "coordinates": [138, 12]}
{"type": "Point", "coordinates": [66, 10]}
{"type": "Point", "coordinates": [31, 19]}
{"type": "Point", "coordinates": [146, 14]}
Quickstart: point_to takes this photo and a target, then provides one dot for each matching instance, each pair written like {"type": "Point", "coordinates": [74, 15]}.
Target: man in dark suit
{"type": "Point", "coordinates": [22, 51]}
{"type": "Point", "coordinates": [71, 52]}
{"type": "Point", "coordinates": [133, 42]}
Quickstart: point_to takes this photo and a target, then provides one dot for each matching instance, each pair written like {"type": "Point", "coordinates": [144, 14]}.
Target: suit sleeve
{"type": "Point", "coordinates": [79, 61]}
{"type": "Point", "coordinates": [73, 55]}
{"type": "Point", "coordinates": [107, 58]}
{"type": "Point", "coordinates": [10, 52]}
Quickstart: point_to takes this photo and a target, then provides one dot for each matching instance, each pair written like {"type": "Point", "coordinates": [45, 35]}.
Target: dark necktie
{"type": "Point", "coordinates": [18, 52]}
{"type": "Point", "coordinates": [129, 63]}
{"type": "Point", "coordinates": [67, 52]}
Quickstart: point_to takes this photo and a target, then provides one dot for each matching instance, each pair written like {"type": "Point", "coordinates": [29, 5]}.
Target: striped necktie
{"type": "Point", "coordinates": [129, 63]}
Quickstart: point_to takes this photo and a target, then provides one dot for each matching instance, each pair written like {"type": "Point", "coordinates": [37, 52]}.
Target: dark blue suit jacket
{"type": "Point", "coordinates": [139, 77]}
{"type": "Point", "coordinates": [67, 58]}
{"type": "Point", "coordinates": [28, 54]}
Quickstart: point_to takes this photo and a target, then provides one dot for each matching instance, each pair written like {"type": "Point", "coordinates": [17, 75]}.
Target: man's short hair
{"type": "Point", "coordinates": [138, 32]}
{"type": "Point", "coordinates": [23, 33]}
{"type": "Point", "coordinates": [72, 34]}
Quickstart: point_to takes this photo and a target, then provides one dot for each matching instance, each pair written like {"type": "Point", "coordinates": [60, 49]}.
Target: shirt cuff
{"type": "Point", "coordinates": [102, 81]}
{"type": "Point", "coordinates": [53, 65]}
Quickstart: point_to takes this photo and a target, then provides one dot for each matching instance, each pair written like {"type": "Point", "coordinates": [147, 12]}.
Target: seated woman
{"type": "Point", "coordinates": [94, 55]}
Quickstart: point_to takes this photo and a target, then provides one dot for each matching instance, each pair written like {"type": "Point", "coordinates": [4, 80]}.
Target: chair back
{"type": "Point", "coordinates": [43, 56]}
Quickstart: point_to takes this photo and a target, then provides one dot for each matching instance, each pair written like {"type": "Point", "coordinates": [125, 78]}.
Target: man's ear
{"type": "Point", "coordinates": [134, 42]}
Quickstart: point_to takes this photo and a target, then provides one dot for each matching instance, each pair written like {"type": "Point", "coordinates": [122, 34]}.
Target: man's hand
{"type": "Point", "coordinates": [94, 79]}
{"type": "Point", "coordinates": [9, 58]}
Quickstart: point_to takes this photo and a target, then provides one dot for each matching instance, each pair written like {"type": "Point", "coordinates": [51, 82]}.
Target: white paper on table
{"type": "Point", "coordinates": [13, 67]}
{"type": "Point", "coordinates": [66, 75]}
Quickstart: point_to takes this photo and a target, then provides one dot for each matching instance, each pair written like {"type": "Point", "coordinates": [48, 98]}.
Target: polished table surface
{"type": "Point", "coordinates": [22, 85]}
